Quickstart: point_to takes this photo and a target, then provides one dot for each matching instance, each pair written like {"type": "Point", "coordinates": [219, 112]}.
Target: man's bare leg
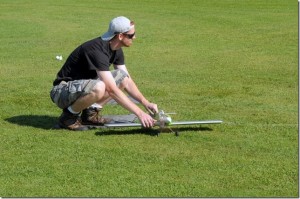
{"type": "Point", "coordinates": [95, 96]}
{"type": "Point", "coordinates": [106, 98]}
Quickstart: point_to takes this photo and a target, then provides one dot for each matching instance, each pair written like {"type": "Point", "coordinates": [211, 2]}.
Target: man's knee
{"type": "Point", "coordinates": [124, 82]}
{"type": "Point", "coordinates": [99, 90]}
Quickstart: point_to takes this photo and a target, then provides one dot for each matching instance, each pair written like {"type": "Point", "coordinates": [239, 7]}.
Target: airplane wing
{"type": "Point", "coordinates": [171, 124]}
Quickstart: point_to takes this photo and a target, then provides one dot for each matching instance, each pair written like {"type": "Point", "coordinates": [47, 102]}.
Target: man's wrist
{"type": "Point", "coordinates": [145, 102]}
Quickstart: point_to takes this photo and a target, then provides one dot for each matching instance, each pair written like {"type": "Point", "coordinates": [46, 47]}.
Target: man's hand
{"type": "Point", "coordinates": [151, 108]}
{"type": "Point", "coordinates": [146, 120]}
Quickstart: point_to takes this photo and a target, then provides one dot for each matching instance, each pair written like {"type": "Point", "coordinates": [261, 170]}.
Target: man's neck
{"type": "Point", "coordinates": [115, 44]}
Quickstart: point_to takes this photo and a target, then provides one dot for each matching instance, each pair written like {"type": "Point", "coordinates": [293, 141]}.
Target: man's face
{"type": "Point", "coordinates": [128, 37]}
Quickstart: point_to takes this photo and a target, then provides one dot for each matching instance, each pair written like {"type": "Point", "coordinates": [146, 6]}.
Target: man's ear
{"type": "Point", "coordinates": [120, 36]}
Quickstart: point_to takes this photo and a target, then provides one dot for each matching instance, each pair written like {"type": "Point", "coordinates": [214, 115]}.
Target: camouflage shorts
{"type": "Point", "coordinates": [66, 93]}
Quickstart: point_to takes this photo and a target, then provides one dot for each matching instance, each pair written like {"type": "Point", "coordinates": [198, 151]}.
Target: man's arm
{"type": "Point", "coordinates": [122, 99]}
{"type": "Point", "coordinates": [135, 93]}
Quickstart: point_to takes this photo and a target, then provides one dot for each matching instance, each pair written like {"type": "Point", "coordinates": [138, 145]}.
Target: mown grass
{"type": "Point", "coordinates": [229, 60]}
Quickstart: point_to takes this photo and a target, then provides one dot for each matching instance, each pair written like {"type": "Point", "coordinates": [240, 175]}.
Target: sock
{"type": "Point", "coordinates": [72, 111]}
{"type": "Point", "coordinates": [95, 105]}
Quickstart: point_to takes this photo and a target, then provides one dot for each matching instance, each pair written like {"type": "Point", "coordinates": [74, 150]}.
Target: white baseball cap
{"type": "Point", "coordinates": [117, 25]}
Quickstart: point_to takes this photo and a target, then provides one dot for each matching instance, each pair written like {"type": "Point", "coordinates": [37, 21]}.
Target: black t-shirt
{"type": "Point", "coordinates": [87, 58]}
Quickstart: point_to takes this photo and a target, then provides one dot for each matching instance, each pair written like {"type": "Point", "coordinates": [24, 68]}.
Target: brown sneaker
{"type": "Point", "coordinates": [92, 116]}
{"type": "Point", "coordinates": [71, 121]}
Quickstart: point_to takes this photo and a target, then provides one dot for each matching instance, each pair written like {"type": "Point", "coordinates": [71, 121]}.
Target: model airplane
{"type": "Point", "coordinates": [163, 121]}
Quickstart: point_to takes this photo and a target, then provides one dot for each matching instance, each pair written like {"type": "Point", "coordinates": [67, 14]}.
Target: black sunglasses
{"type": "Point", "coordinates": [129, 36]}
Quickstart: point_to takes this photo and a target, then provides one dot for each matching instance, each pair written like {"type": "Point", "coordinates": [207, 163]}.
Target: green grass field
{"type": "Point", "coordinates": [229, 60]}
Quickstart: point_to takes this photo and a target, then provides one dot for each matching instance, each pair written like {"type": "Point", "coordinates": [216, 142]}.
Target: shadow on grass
{"type": "Point", "coordinates": [38, 121]}
{"type": "Point", "coordinates": [151, 132]}
{"type": "Point", "coordinates": [49, 122]}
